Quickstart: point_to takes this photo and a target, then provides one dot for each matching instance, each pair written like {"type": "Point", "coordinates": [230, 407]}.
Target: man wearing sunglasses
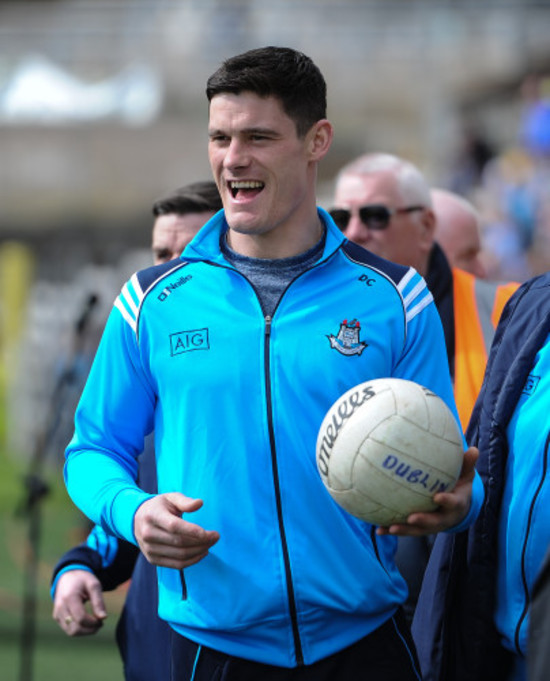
{"type": "Point", "coordinates": [384, 203]}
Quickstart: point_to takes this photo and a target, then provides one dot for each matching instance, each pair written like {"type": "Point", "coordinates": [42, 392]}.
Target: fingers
{"type": "Point", "coordinates": [165, 537]}
{"type": "Point", "coordinates": [452, 508]}
{"type": "Point", "coordinates": [79, 625]}
{"type": "Point", "coordinates": [96, 601]}
{"type": "Point", "coordinates": [74, 589]}
{"type": "Point", "coordinates": [178, 545]}
{"type": "Point", "coordinates": [181, 503]}
{"type": "Point", "coordinates": [76, 621]}
{"type": "Point", "coordinates": [471, 456]}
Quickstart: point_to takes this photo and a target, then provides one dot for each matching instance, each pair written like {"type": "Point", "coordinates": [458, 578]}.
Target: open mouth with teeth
{"type": "Point", "coordinates": [245, 187]}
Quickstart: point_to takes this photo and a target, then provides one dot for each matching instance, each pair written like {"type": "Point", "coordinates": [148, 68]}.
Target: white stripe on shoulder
{"type": "Point", "coordinates": [125, 314]}
{"type": "Point", "coordinates": [416, 309]}
{"type": "Point", "coordinates": [133, 293]}
{"type": "Point", "coordinates": [415, 292]}
{"type": "Point", "coordinates": [411, 272]}
{"type": "Point", "coordinates": [129, 300]}
{"type": "Point", "coordinates": [418, 297]}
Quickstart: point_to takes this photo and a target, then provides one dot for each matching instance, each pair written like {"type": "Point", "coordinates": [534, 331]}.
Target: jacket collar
{"type": "Point", "coordinates": [206, 244]}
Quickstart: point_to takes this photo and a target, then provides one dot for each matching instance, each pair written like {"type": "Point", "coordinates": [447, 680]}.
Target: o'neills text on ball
{"type": "Point", "coordinates": [338, 416]}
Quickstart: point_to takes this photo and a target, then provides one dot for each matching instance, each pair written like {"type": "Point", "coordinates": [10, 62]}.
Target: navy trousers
{"type": "Point", "coordinates": [388, 654]}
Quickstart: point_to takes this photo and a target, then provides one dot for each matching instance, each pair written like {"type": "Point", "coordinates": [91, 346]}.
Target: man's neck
{"type": "Point", "coordinates": [275, 245]}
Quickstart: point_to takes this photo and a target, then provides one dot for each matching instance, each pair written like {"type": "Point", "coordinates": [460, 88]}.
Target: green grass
{"type": "Point", "coordinates": [54, 656]}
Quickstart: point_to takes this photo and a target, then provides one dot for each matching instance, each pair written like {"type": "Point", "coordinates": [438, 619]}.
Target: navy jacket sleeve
{"type": "Point", "coordinates": [111, 560]}
{"type": "Point", "coordinates": [453, 623]}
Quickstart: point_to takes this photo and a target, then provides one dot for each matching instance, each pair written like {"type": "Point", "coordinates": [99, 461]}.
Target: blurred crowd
{"type": "Point", "coordinates": [510, 188]}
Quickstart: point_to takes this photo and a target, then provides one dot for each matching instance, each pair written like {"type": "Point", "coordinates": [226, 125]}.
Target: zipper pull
{"type": "Point", "coordinates": [268, 325]}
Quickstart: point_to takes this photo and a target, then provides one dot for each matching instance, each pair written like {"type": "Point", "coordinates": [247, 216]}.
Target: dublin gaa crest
{"type": "Point", "coordinates": [347, 341]}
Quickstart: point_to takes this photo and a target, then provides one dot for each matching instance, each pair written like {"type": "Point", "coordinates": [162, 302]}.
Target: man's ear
{"type": "Point", "coordinates": [319, 138]}
{"type": "Point", "coordinates": [428, 221]}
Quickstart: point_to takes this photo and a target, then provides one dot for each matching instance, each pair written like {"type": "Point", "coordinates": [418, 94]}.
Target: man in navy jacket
{"type": "Point", "coordinates": [472, 618]}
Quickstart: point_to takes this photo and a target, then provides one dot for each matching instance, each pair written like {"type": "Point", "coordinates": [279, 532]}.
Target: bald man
{"type": "Point", "coordinates": [458, 231]}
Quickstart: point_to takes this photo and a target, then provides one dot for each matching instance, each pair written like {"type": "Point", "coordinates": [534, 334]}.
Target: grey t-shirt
{"type": "Point", "coordinates": [271, 277]}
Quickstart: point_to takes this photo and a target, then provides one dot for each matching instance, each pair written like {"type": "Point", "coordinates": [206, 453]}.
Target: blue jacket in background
{"type": "Point", "coordinates": [454, 626]}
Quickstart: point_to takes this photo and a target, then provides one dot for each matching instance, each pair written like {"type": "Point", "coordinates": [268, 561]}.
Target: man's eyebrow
{"type": "Point", "coordinates": [246, 131]}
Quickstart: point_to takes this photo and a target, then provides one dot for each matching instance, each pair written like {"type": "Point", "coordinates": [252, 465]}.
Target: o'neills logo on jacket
{"type": "Point", "coordinates": [167, 290]}
{"type": "Point", "coordinates": [347, 340]}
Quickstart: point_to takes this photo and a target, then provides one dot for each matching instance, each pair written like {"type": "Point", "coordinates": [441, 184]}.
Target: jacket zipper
{"type": "Point", "coordinates": [286, 557]}
{"type": "Point", "coordinates": [284, 545]}
{"type": "Point", "coordinates": [183, 586]}
{"type": "Point", "coordinates": [524, 548]}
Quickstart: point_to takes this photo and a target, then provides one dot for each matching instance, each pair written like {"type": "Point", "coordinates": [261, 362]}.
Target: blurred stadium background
{"type": "Point", "coordinates": [102, 109]}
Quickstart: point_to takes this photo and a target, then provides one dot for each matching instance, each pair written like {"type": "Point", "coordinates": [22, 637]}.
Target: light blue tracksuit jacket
{"type": "Point", "coordinates": [236, 400]}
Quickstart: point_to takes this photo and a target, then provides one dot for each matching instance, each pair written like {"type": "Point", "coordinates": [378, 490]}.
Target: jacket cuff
{"type": "Point", "coordinates": [123, 510]}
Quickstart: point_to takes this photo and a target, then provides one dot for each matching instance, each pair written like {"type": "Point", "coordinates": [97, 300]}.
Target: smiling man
{"type": "Point", "coordinates": [226, 353]}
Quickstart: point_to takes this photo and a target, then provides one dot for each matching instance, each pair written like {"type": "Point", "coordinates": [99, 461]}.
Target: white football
{"type": "Point", "coordinates": [385, 447]}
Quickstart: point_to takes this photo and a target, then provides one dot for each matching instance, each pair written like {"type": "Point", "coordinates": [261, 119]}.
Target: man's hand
{"type": "Point", "coordinates": [74, 589]}
{"type": "Point", "coordinates": [453, 506]}
{"type": "Point", "coordinates": [165, 538]}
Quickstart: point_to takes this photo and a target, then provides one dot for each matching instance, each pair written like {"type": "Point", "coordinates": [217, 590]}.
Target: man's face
{"type": "Point", "coordinates": [172, 233]}
{"type": "Point", "coordinates": [463, 248]}
{"type": "Point", "coordinates": [261, 166]}
{"type": "Point", "coordinates": [458, 234]}
{"type": "Point", "coordinates": [408, 237]}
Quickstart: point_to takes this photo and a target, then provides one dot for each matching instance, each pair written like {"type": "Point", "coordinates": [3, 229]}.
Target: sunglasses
{"type": "Point", "coordinates": [375, 216]}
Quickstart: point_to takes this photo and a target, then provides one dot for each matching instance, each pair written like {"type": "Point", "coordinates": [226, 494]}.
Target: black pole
{"type": "Point", "coordinates": [36, 489]}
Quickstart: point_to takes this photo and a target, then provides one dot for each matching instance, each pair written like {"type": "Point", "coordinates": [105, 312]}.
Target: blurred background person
{"type": "Point", "coordinates": [103, 561]}
{"type": "Point", "coordinates": [458, 231]}
{"type": "Point", "coordinates": [510, 201]}
{"type": "Point", "coordinates": [513, 189]}
{"type": "Point", "coordinates": [179, 216]}
{"type": "Point", "coordinates": [384, 203]}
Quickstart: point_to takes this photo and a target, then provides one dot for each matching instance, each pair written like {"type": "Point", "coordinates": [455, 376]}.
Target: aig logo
{"type": "Point", "coordinates": [187, 341]}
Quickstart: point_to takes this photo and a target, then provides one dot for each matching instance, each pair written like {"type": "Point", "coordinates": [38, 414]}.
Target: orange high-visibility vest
{"type": "Point", "coordinates": [477, 307]}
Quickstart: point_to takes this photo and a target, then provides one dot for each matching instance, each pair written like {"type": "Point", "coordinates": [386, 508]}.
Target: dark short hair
{"type": "Point", "coordinates": [198, 197]}
{"type": "Point", "coordinates": [280, 72]}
